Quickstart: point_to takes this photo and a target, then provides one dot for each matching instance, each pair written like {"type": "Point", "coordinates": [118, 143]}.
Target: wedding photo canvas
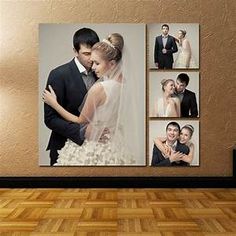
{"type": "Point", "coordinates": [173, 143]}
{"type": "Point", "coordinates": [92, 95]}
{"type": "Point", "coordinates": [173, 45]}
{"type": "Point", "coordinates": [174, 94]}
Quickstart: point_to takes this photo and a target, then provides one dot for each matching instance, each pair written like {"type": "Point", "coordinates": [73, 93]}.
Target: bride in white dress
{"type": "Point", "coordinates": [184, 58]}
{"type": "Point", "coordinates": [168, 105]}
{"type": "Point", "coordinates": [107, 140]}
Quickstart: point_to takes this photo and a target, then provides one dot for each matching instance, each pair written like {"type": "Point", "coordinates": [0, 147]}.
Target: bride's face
{"type": "Point", "coordinates": [170, 87]}
{"type": "Point", "coordinates": [100, 66]}
{"type": "Point", "coordinates": [185, 136]}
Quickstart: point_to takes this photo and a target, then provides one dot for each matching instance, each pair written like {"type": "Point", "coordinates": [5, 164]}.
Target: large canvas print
{"type": "Point", "coordinates": [92, 94]}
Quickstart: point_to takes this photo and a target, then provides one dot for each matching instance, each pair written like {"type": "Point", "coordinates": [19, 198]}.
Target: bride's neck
{"type": "Point", "coordinates": [167, 95]}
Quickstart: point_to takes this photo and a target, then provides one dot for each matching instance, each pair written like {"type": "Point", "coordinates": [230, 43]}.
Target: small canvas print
{"type": "Point", "coordinates": [174, 94]}
{"type": "Point", "coordinates": [174, 143]}
{"type": "Point", "coordinates": [173, 46]}
{"type": "Point", "coordinates": [92, 95]}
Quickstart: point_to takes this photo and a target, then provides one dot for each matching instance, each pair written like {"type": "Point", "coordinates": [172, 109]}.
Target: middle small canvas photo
{"type": "Point", "coordinates": [174, 94]}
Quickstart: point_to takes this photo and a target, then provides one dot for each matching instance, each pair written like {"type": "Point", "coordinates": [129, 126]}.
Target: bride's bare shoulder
{"type": "Point", "coordinates": [96, 90]}
{"type": "Point", "coordinates": [97, 86]}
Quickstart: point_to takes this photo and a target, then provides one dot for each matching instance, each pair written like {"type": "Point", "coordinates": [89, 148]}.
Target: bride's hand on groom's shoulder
{"type": "Point", "coordinates": [49, 97]}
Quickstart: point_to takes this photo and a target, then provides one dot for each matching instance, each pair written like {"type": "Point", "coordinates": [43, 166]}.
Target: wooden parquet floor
{"type": "Point", "coordinates": [126, 212]}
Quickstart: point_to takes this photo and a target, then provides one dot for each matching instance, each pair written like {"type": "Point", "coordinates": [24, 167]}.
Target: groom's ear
{"type": "Point", "coordinates": [75, 51]}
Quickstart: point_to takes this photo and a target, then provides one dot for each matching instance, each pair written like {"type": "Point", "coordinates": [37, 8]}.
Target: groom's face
{"type": "Point", "coordinates": [165, 30]}
{"type": "Point", "coordinates": [84, 56]}
{"type": "Point", "coordinates": [172, 133]}
{"type": "Point", "coordinates": [180, 86]}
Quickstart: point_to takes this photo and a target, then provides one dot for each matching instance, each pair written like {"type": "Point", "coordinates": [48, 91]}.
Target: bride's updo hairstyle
{"type": "Point", "coordinates": [164, 82]}
{"type": "Point", "coordinates": [110, 48]}
{"type": "Point", "coordinates": [183, 32]}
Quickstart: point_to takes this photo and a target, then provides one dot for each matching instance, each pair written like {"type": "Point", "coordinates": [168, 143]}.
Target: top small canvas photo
{"type": "Point", "coordinates": [173, 46]}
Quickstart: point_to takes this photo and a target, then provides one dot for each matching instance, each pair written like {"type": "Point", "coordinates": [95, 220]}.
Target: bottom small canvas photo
{"type": "Point", "coordinates": [174, 143]}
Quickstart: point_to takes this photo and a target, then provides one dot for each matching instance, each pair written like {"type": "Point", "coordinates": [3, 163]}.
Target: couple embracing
{"type": "Point", "coordinates": [86, 104]}
{"type": "Point", "coordinates": [176, 99]}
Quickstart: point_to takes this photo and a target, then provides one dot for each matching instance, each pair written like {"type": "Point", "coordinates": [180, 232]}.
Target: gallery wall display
{"type": "Point", "coordinates": [92, 108]}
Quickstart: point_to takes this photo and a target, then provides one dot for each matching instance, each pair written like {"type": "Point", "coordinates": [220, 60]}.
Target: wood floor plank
{"type": "Point", "coordinates": [36, 204]}
{"type": "Point", "coordinates": [140, 234]}
{"type": "Point", "coordinates": [134, 213]}
{"type": "Point", "coordinates": [206, 213]}
{"type": "Point", "coordinates": [100, 204]}
{"type": "Point", "coordinates": [166, 204]}
{"type": "Point", "coordinates": [66, 213]}
{"type": "Point", "coordinates": [104, 214]}
{"type": "Point", "coordinates": [73, 195]}
{"type": "Point", "coordinates": [18, 225]}
{"type": "Point", "coordinates": [52, 234]}
{"type": "Point", "coordinates": [5, 212]}
{"type": "Point", "coordinates": [93, 226]}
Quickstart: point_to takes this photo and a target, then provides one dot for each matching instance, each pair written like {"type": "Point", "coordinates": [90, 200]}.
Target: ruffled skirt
{"type": "Point", "coordinates": [93, 154]}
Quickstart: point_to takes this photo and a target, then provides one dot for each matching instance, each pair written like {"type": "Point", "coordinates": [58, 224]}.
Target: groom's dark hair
{"type": "Point", "coordinates": [173, 123]}
{"type": "Point", "coordinates": [165, 25]}
{"type": "Point", "coordinates": [84, 36]}
{"type": "Point", "coordinates": [183, 78]}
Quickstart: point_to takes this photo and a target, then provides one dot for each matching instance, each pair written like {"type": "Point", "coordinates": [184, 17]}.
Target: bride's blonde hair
{"type": "Point", "coordinates": [111, 47]}
{"type": "Point", "coordinates": [183, 32]}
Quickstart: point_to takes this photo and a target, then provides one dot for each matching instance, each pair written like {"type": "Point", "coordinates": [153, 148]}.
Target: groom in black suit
{"type": "Point", "coordinates": [177, 149]}
{"type": "Point", "coordinates": [165, 46]}
{"type": "Point", "coordinates": [70, 82]}
{"type": "Point", "coordinates": [188, 103]}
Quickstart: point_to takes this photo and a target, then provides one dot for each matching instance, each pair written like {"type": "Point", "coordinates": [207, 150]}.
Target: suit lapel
{"type": "Point", "coordinates": [168, 41]}
{"type": "Point", "coordinates": [160, 42]}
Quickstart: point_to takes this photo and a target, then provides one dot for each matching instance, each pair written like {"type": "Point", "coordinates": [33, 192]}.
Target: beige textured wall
{"type": "Point", "coordinates": [19, 78]}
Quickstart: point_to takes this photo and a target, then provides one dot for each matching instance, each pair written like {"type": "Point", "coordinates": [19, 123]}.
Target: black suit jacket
{"type": "Point", "coordinates": [159, 160]}
{"type": "Point", "coordinates": [189, 104]}
{"type": "Point", "coordinates": [70, 89]}
{"type": "Point", "coordinates": [171, 48]}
